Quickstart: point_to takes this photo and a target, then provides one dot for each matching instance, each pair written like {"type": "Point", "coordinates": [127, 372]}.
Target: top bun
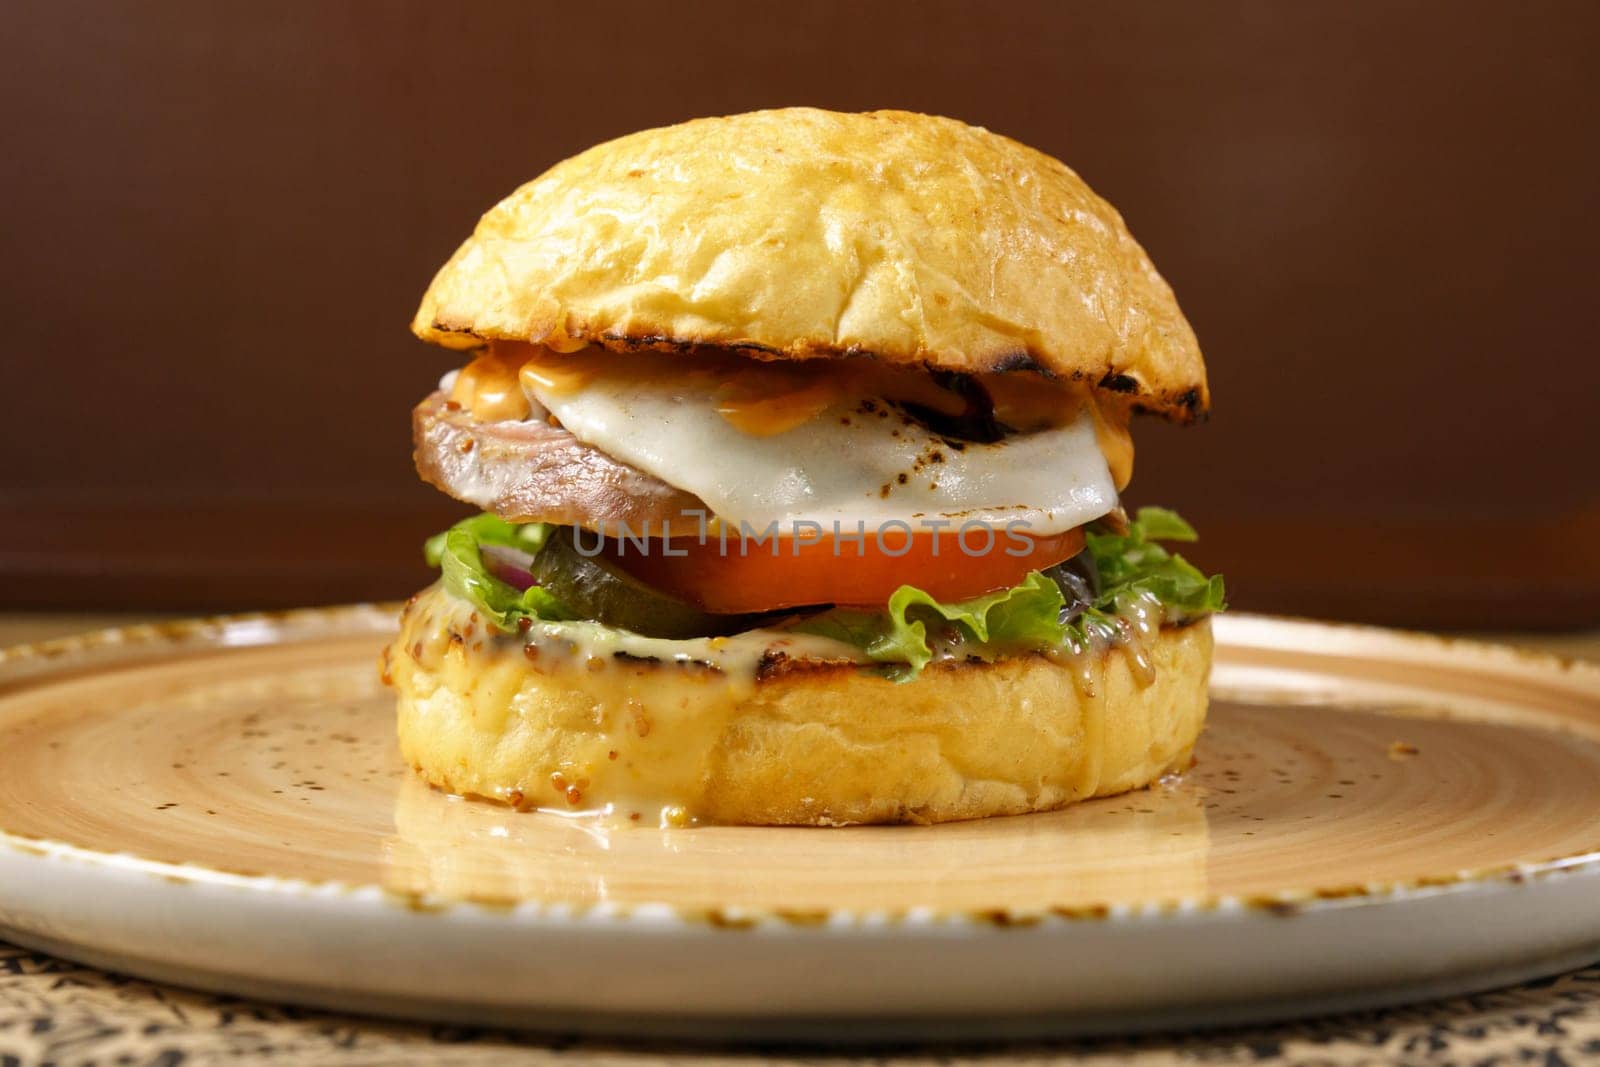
{"type": "Point", "coordinates": [799, 233]}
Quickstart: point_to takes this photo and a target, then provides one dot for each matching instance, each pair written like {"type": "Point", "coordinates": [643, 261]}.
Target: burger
{"type": "Point", "coordinates": [798, 442]}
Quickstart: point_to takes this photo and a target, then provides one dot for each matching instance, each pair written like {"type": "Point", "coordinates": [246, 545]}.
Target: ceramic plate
{"type": "Point", "coordinates": [1373, 817]}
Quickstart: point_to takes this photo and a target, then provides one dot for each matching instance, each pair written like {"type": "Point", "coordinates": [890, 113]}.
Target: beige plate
{"type": "Point", "coordinates": [1374, 816]}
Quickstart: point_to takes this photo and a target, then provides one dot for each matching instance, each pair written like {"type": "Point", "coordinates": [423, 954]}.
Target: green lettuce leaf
{"type": "Point", "coordinates": [1030, 614]}
{"type": "Point", "coordinates": [456, 553]}
{"type": "Point", "coordinates": [490, 530]}
{"type": "Point", "coordinates": [1024, 615]}
{"type": "Point", "coordinates": [1132, 563]}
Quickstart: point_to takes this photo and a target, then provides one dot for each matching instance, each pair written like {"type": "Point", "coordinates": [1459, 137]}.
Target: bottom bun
{"type": "Point", "coordinates": [765, 728]}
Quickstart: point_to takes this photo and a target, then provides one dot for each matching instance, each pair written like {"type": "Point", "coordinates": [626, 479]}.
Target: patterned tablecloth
{"type": "Point", "coordinates": [52, 1011]}
{"type": "Point", "coordinates": [56, 1012]}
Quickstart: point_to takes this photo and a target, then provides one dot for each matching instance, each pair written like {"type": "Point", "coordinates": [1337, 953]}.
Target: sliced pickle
{"type": "Point", "coordinates": [592, 587]}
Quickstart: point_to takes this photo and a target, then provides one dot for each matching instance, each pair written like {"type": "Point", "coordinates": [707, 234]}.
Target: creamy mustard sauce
{"type": "Point", "coordinates": [1135, 625]}
{"type": "Point", "coordinates": [1139, 619]}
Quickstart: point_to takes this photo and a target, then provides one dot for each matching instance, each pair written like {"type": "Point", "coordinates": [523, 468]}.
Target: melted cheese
{"type": "Point", "coordinates": [831, 459]}
{"type": "Point", "coordinates": [822, 450]}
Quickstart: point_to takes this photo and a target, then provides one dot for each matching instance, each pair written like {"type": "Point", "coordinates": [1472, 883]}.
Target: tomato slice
{"type": "Point", "coordinates": [798, 571]}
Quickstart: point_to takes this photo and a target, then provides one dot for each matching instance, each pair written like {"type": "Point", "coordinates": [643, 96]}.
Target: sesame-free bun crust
{"type": "Point", "coordinates": [816, 743]}
{"type": "Point", "coordinates": [799, 233]}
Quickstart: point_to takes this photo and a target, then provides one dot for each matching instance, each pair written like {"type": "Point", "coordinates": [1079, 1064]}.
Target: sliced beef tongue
{"type": "Point", "coordinates": [531, 471]}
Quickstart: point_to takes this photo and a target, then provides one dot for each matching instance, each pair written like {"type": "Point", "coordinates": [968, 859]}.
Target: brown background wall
{"type": "Point", "coordinates": [1380, 218]}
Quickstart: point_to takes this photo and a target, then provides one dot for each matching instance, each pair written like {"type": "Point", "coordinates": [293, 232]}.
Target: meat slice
{"type": "Point", "coordinates": [531, 471]}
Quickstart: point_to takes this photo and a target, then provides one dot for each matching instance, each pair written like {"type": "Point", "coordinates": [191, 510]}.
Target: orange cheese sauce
{"type": "Point", "coordinates": [1026, 402]}
{"type": "Point", "coordinates": [491, 389]}
{"type": "Point", "coordinates": [563, 375]}
{"type": "Point", "coordinates": [1116, 443]}
{"type": "Point", "coordinates": [758, 415]}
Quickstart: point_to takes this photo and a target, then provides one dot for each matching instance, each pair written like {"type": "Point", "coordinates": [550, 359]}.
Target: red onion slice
{"type": "Point", "coordinates": [510, 565]}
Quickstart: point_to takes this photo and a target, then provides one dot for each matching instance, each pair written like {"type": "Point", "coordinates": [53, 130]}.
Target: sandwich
{"type": "Point", "coordinates": [796, 442]}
